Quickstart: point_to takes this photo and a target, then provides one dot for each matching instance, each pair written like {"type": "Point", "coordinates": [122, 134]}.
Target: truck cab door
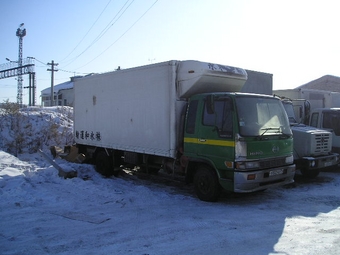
{"type": "Point", "coordinates": [216, 131]}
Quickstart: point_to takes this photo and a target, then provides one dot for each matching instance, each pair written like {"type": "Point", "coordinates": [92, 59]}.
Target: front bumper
{"type": "Point", "coordinates": [251, 181]}
{"type": "Point", "coordinates": [314, 163]}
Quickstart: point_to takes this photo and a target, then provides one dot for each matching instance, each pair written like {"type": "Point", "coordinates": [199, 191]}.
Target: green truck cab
{"type": "Point", "coordinates": [238, 142]}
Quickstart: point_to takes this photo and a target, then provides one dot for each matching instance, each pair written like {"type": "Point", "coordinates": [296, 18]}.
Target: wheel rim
{"type": "Point", "coordinates": [204, 184]}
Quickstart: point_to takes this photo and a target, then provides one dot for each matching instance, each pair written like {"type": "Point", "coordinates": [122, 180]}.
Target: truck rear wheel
{"type": "Point", "coordinates": [206, 184]}
{"type": "Point", "coordinates": [309, 174]}
{"type": "Point", "coordinates": [104, 164]}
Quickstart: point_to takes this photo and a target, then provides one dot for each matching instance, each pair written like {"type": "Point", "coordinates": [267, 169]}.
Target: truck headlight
{"type": "Point", "coordinates": [290, 160]}
{"type": "Point", "coordinates": [247, 165]}
{"type": "Point", "coordinates": [312, 163]}
{"type": "Point", "coordinates": [253, 164]}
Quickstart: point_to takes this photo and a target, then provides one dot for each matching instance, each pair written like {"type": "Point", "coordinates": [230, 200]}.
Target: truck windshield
{"type": "Point", "coordinates": [261, 116]}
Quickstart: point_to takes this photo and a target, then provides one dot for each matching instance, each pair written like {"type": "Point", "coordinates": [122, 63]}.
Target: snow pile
{"type": "Point", "coordinates": [42, 213]}
{"type": "Point", "coordinates": [33, 128]}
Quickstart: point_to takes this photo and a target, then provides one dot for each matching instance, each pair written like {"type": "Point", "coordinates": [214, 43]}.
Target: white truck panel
{"type": "Point", "coordinates": [127, 110]}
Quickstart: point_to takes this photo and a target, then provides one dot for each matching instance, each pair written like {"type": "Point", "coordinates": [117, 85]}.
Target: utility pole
{"type": "Point", "coordinates": [52, 79]}
{"type": "Point", "coordinates": [21, 32]}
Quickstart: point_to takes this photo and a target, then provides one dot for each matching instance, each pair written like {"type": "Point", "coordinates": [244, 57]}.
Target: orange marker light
{"type": "Point", "coordinates": [251, 177]}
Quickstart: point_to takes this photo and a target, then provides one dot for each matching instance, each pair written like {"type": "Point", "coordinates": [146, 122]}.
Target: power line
{"type": "Point", "coordinates": [40, 61]}
{"type": "Point", "coordinates": [62, 70]}
{"type": "Point", "coordinates": [103, 32]}
{"type": "Point", "coordinates": [87, 31]}
{"type": "Point", "coordinates": [72, 72]}
{"type": "Point", "coordinates": [121, 35]}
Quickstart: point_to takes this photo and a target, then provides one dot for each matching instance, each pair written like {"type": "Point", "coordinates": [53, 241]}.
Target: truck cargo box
{"type": "Point", "coordinates": [139, 109]}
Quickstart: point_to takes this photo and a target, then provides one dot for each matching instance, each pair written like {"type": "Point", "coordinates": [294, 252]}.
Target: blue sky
{"type": "Point", "coordinates": [296, 41]}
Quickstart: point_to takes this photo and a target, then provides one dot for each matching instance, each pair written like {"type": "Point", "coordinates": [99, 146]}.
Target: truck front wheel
{"type": "Point", "coordinates": [104, 164]}
{"type": "Point", "coordinates": [206, 184]}
{"type": "Point", "coordinates": [309, 174]}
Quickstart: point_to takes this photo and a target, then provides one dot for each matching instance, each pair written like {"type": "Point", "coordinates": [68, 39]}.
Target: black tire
{"type": "Point", "coordinates": [309, 174]}
{"type": "Point", "coordinates": [206, 184]}
{"type": "Point", "coordinates": [104, 164]}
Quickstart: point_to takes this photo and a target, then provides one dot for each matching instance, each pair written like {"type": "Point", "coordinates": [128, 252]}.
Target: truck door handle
{"type": "Point", "coordinates": [202, 140]}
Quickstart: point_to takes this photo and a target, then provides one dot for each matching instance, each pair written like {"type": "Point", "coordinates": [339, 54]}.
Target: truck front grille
{"type": "Point", "coordinates": [272, 163]}
{"type": "Point", "coordinates": [322, 143]}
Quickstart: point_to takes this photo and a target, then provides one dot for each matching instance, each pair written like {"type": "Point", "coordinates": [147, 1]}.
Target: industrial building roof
{"type": "Point", "coordinates": [326, 82]}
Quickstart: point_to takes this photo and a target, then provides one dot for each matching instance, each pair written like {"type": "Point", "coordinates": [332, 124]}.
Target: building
{"type": "Point", "coordinates": [63, 94]}
{"type": "Point", "coordinates": [328, 83]}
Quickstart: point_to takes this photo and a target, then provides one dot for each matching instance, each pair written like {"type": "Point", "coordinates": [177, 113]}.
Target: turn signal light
{"type": "Point", "coordinates": [229, 164]}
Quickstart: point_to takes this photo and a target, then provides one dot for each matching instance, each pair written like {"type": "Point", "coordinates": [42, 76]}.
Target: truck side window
{"type": "Point", "coordinates": [191, 117]}
{"type": "Point", "coordinates": [331, 120]}
{"type": "Point", "coordinates": [221, 118]}
{"type": "Point", "coordinates": [314, 119]}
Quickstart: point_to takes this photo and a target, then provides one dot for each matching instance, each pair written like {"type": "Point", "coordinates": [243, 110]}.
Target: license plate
{"type": "Point", "coordinates": [276, 172]}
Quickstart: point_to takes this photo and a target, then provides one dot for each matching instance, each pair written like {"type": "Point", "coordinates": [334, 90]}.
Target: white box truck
{"type": "Point", "coordinates": [187, 118]}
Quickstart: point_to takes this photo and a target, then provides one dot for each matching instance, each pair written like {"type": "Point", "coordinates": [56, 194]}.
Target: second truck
{"type": "Point", "coordinates": [185, 118]}
{"type": "Point", "coordinates": [316, 108]}
{"type": "Point", "coordinates": [312, 146]}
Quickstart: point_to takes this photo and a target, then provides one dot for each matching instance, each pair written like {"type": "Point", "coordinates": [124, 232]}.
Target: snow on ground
{"type": "Point", "coordinates": [42, 213]}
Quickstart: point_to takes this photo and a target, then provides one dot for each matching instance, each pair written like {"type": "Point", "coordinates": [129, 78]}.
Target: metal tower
{"type": "Point", "coordinates": [21, 32]}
